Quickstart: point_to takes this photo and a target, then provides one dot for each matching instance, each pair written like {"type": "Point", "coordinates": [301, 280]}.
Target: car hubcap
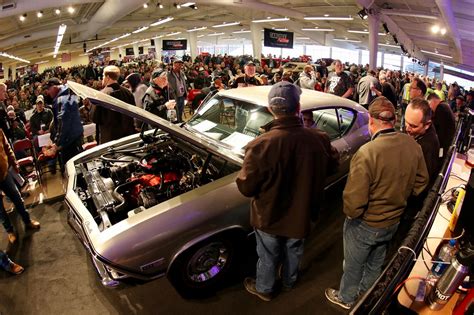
{"type": "Point", "coordinates": [208, 262]}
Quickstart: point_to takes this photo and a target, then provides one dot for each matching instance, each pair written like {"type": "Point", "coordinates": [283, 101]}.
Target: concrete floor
{"type": "Point", "coordinates": [60, 279]}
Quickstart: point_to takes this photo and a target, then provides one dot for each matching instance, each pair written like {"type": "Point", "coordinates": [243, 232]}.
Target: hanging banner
{"type": "Point", "coordinates": [279, 39]}
{"type": "Point", "coordinates": [181, 44]}
{"type": "Point", "coordinates": [129, 51]}
{"type": "Point", "coordinates": [66, 57]}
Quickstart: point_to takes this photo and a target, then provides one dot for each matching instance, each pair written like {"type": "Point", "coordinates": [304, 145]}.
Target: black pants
{"type": "Point", "coordinates": [69, 152]}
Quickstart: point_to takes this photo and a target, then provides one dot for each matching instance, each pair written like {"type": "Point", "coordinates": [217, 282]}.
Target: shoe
{"type": "Point", "coordinates": [11, 237]}
{"type": "Point", "coordinates": [333, 296]}
{"type": "Point", "coordinates": [33, 225]}
{"type": "Point", "coordinates": [249, 284]}
{"type": "Point", "coordinates": [15, 268]}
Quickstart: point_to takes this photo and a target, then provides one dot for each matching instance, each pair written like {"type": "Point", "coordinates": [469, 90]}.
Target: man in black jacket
{"type": "Point", "coordinates": [113, 125]}
{"type": "Point", "coordinates": [443, 121]}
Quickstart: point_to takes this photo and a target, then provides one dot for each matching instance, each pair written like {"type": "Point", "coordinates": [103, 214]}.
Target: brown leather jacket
{"type": "Point", "coordinates": [7, 158]}
{"type": "Point", "coordinates": [284, 172]}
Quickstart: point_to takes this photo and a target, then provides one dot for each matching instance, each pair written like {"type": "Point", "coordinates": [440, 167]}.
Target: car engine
{"type": "Point", "coordinates": [123, 182]}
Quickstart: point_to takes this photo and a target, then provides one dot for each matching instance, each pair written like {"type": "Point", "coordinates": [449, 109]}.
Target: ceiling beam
{"type": "Point", "coordinates": [25, 6]}
{"type": "Point", "coordinates": [445, 7]}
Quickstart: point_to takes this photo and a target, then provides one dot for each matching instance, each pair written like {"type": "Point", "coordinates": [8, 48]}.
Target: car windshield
{"type": "Point", "coordinates": [232, 122]}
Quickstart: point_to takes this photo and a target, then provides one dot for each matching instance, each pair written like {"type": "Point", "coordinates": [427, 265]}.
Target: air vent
{"type": "Point", "coordinates": [8, 6]}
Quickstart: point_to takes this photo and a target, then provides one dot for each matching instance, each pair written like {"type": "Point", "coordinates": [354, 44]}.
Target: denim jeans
{"type": "Point", "coordinates": [272, 251]}
{"type": "Point", "coordinates": [9, 188]}
{"type": "Point", "coordinates": [4, 261]}
{"type": "Point", "coordinates": [364, 253]}
{"type": "Point", "coordinates": [180, 107]}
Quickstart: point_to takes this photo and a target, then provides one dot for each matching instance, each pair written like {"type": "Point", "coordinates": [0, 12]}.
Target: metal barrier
{"type": "Point", "coordinates": [380, 295]}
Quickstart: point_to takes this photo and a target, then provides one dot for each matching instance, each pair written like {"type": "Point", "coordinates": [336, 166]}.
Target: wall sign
{"type": "Point", "coordinates": [279, 39]}
{"type": "Point", "coordinates": [181, 44]}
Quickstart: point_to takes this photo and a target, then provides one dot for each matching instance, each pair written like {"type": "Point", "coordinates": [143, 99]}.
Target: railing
{"type": "Point", "coordinates": [380, 295]}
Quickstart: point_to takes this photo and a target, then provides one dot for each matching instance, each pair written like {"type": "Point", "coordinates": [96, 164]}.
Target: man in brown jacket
{"type": "Point", "coordinates": [375, 197]}
{"type": "Point", "coordinates": [284, 171]}
{"type": "Point", "coordinates": [7, 185]}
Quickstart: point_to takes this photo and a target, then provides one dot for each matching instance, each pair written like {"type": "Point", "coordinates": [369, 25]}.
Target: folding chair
{"type": "Point", "coordinates": [25, 146]}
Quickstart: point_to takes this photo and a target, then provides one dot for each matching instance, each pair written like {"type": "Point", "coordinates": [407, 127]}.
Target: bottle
{"type": "Point", "coordinates": [446, 253]}
{"type": "Point", "coordinates": [450, 280]}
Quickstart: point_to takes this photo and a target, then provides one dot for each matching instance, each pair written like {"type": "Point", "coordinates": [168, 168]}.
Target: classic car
{"type": "Point", "coordinates": [165, 202]}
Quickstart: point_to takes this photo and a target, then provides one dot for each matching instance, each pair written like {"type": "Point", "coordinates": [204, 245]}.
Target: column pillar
{"type": "Point", "coordinates": [193, 44]}
{"type": "Point", "coordinates": [401, 62]}
{"type": "Point", "coordinates": [374, 21]}
{"type": "Point", "coordinates": [13, 70]}
{"type": "Point", "coordinates": [121, 51]}
{"type": "Point", "coordinates": [256, 40]}
{"type": "Point", "coordinates": [382, 59]}
{"type": "Point", "coordinates": [359, 62]}
{"type": "Point", "coordinates": [425, 72]}
{"type": "Point", "coordinates": [158, 48]}
{"type": "Point", "coordinates": [135, 50]}
{"type": "Point", "coordinates": [441, 71]}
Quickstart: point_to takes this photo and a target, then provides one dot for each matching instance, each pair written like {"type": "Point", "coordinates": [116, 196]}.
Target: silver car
{"type": "Point", "coordinates": [165, 201]}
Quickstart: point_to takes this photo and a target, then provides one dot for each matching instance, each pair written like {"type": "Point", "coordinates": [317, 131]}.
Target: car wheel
{"type": "Point", "coordinates": [205, 267]}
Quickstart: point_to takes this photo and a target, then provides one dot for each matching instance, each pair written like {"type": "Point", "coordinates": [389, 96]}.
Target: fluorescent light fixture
{"type": "Point", "coordinates": [302, 38]}
{"type": "Point", "coordinates": [162, 21]}
{"type": "Point", "coordinates": [200, 35]}
{"type": "Point", "coordinates": [364, 32]}
{"type": "Point", "coordinates": [317, 29]}
{"type": "Point", "coordinates": [141, 29]}
{"type": "Point", "coordinates": [281, 29]}
{"type": "Point", "coordinates": [241, 32]}
{"type": "Point", "coordinates": [346, 40]}
{"type": "Point", "coordinates": [71, 10]}
{"type": "Point", "coordinates": [173, 34]}
{"type": "Point", "coordinates": [61, 31]}
{"type": "Point", "coordinates": [57, 12]}
{"type": "Point", "coordinates": [39, 14]}
{"type": "Point", "coordinates": [226, 24]}
{"type": "Point", "coordinates": [329, 18]}
{"type": "Point", "coordinates": [124, 35]}
{"type": "Point", "coordinates": [4, 54]}
{"type": "Point", "coordinates": [215, 34]}
{"type": "Point", "coordinates": [269, 19]}
{"type": "Point", "coordinates": [436, 54]}
{"type": "Point", "coordinates": [197, 29]}
{"type": "Point", "coordinates": [389, 45]}
{"type": "Point", "coordinates": [188, 4]}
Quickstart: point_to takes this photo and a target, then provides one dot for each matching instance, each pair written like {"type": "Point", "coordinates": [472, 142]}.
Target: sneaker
{"type": "Point", "coordinates": [333, 296]}
{"type": "Point", "coordinates": [33, 225]}
{"type": "Point", "coordinates": [11, 237]}
{"type": "Point", "coordinates": [249, 284]}
{"type": "Point", "coordinates": [15, 268]}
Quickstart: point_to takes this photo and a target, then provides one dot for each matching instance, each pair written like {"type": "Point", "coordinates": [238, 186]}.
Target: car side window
{"type": "Point", "coordinates": [326, 120]}
{"type": "Point", "coordinates": [346, 117]}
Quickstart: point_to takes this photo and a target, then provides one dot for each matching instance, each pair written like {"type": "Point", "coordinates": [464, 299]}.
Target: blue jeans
{"type": "Point", "coordinates": [272, 251]}
{"type": "Point", "coordinates": [180, 107]}
{"type": "Point", "coordinates": [364, 253]}
{"type": "Point", "coordinates": [10, 189]}
{"type": "Point", "coordinates": [4, 261]}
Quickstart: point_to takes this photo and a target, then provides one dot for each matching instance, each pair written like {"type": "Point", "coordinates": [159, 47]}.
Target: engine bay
{"type": "Point", "coordinates": [131, 178]}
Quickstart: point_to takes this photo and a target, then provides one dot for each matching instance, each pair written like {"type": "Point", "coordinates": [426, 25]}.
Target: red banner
{"type": "Point", "coordinates": [65, 57]}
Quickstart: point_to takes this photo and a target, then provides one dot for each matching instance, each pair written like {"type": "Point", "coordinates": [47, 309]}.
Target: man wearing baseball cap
{"type": "Point", "coordinates": [248, 78]}
{"type": "Point", "coordinates": [375, 198]}
{"type": "Point", "coordinates": [284, 171]}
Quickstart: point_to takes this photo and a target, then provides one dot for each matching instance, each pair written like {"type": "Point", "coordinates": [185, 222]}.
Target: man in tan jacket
{"type": "Point", "coordinates": [375, 197]}
{"type": "Point", "coordinates": [7, 186]}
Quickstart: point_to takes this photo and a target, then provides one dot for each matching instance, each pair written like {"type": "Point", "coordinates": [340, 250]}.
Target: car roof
{"type": "Point", "coordinates": [258, 95]}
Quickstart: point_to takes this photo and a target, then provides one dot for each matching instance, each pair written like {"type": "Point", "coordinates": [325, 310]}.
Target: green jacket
{"type": "Point", "coordinates": [383, 174]}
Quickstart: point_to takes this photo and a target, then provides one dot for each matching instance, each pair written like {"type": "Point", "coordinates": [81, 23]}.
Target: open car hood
{"type": "Point", "coordinates": [101, 99]}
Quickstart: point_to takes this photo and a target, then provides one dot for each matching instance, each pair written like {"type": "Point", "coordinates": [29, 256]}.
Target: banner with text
{"type": "Point", "coordinates": [279, 39]}
{"type": "Point", "coordinates": [181, 44]}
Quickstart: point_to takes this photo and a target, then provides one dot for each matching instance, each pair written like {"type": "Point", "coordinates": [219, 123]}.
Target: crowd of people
{"type": "Point", "coordinates": [270, 173]}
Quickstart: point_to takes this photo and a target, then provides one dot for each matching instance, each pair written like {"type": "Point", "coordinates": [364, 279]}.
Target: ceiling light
{"type": "Point", "coordinates": [197, 29]}
{"type": "Point", "coordinates": [329, 18]}
{"type": "Point", "coordinates": [59, 39]}
{"type": "Point", "coordinates": [364, 32]}
{"type": "Point", "coordinates": [241, 32]}
{"type": "Point", "coordinates": [141, 29]}
{"type": "Point", "coordinates": [39, 14]}
{"type": "Point", "coordinates": [200, 35]}
{"type": "Point", "coordinates": [302, 38]}
{"type": "Point", "coordinates": [173, 34]}
{"type": "Point", "coordinates": [57, 12]}
{"type": "Point", "coordinates": [226, 24]}
{"type": "Point", "coordinates": [281, 29]}
{"type": "Point", "coordinates": [194, 7]}
{"type": "Point", "coordinates": [159, 5]}
{"type": "Point", "coordinates": [269, 19]}
{"type": "Point", "coordinates": [4, 54]}
{"type": "Point", "coordinates": [363, 14]}
{"type": "Point", "coordinates": [317, 29]}
{"type": "Point", "coordinates": [436, 54]}
{"type": "Point", "coordinates": [326, 15]}
{"type": "Point", "coordinates": [435, 29]}
{"type": "Point", "coordinates": [188, 4]}
{"type": "Point", "coordinates": [389, 45]}
{"type": "Point", "coordinates": [123, 36]}
{"type": "Point", "coordinates": [71, 10]}
{"type": "Point", "coordinates": [177, 5]}
{"type": "Point", "coordinates": [215, 34]}
{"type": "Point", "coordinates": [442, 31]}
{"type": "Point", "coordinates": [145, 5]}
{"type": "Point", "coordinates": [23, 17]}
{"type": "Point", "coordinates": [162, 21]}
{"type": "Point", "coordinates": [346, 40]}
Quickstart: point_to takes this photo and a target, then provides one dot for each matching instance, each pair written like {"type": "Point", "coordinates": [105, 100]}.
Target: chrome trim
{"type": "Point", "coordinates": [106, 279]}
